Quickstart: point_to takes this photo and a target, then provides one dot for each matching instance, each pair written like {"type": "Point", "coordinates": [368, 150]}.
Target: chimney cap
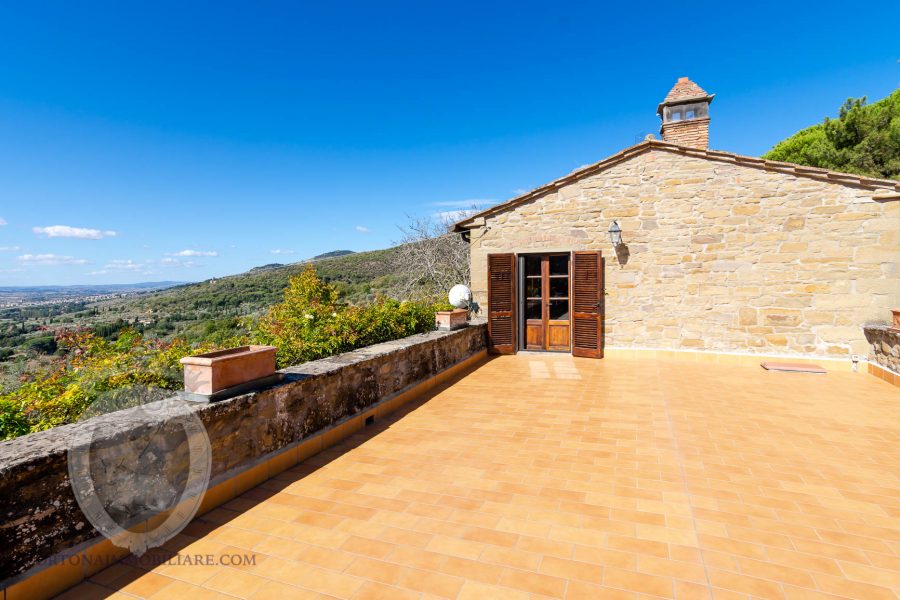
{"type": "Point", "coordinates": [684, 91]}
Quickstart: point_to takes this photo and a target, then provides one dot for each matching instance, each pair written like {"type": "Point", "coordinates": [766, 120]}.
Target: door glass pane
{"type": "Point", "coordinates": [559, 265]}
{"type": "Point", "coordinates": [559, 287]}
{"type": "Point", "coordinates": [533, 309]}
{"type": "Point", "coordinates": [533, 287]}
{"type": "Point", "coordinates": [559, 310]}
{"type": "Point", "coordinates": [532, 265]}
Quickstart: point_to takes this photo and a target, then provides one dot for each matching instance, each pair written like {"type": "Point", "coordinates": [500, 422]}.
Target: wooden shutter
{"type": "Point", "coordinates": [502, 303]}
{"type": "Point", "coordinates": [587, 304]}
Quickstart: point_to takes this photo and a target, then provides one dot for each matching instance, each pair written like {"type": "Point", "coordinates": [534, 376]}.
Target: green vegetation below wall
{"type": "Point", "coordinates": [864, 140]}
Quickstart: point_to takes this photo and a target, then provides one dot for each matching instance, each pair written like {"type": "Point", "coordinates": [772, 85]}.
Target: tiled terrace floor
{"type": "Point", "coordinates": [550, 476]}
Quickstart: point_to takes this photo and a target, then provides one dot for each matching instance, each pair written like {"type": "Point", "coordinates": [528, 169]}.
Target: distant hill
{"type": "Point", "coordinates": [317, 257]}
{"type": "Point", "coordinates": [90, 288]}
{"type": "Point", "coordinates": [332, 254]}
{"type": "Point", "coordinates": [39, 294]}
{"type": "Point", "coordinates": [267, 267]}
{"type": "Point", "coordinates": [864, 140]}
{"type": "Point", "coordinates": [206, 309]}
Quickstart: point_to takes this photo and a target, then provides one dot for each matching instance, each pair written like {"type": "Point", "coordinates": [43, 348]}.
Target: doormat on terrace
{"type": "Point", "coordinates": [792, 367]}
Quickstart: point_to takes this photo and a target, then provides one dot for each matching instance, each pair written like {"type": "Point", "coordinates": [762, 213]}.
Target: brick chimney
{"type": "Point", "coordinates": [685, 115]}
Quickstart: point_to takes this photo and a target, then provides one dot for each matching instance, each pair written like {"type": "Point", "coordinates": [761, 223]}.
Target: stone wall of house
{"type": "Point", "coordinates": [718, 256]}
{"type": "Point", "coordinates": [41, 518]}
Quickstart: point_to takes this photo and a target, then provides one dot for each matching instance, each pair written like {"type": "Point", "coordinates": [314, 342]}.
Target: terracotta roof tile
{"type": "Point", "coordinates": [685, 89]}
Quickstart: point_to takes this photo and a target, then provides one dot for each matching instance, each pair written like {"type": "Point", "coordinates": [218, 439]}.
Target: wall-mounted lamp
{"type": "Point", "coordinates": [615, 233]}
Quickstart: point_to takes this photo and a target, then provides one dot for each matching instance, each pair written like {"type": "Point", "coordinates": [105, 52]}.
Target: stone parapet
{"type": "Point", "coordinates": [42, 520]}
{"type": "Point", "coordinates": [885, 347]}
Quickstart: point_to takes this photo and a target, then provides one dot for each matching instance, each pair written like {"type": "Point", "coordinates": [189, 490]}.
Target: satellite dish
{"type": "Point", "coordinates": [460, 296]}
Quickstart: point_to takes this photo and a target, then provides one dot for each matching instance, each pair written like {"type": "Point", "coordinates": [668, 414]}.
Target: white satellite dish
{"type": "Point", "coordinates": [460, 296]}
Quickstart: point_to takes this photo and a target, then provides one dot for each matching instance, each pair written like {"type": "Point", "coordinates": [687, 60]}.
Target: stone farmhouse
{"type": "Point", "coordinates": [668, 245]}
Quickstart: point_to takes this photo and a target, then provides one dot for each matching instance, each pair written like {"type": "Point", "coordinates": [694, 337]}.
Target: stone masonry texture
{"type": "Point", "coordinates": [693, 133]}
{"type": "Point", "coordinates": [718, 256]}
{"type": "Point", "coordinates": [885, 349]}
{"type": "Point", "coordinates": [41, 517]}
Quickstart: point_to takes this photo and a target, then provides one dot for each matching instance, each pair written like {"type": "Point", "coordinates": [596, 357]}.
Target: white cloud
{"type": "Point", "coordinates": [123, 265]}
{"type": "Point", "coordinates": [119, 266]}
{"type": "Point", "coordinates": [193, 253]}
{"type": "Point", "coordinates": [280, 251]}
{"type": "Point", "coordinates": [362, 229]}
{"type": "Point", "coordinates": [176, 262]}
{"type": "Point", "coordinates": [65, 231]}
{"type": "Point", "coordinates": [50, 260]}
{"type": "Point", "coordinates": [519, 191]}
{"type": "Point", "coordinates": [2, 221]}
{"type": "Point", "coordinates": [9, 248]}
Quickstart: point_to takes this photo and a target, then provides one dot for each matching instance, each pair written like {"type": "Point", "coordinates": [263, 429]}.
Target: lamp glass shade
{"type": "Point", "coordinates": [615, 233]}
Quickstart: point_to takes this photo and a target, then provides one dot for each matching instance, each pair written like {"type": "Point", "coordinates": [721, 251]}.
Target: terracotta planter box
{"type": "Point", "coordinates": [895, 325]}
{"type": "Point", "coordinates": [207, 374]}
{"type": "Point", "coordinates": [447, 320]}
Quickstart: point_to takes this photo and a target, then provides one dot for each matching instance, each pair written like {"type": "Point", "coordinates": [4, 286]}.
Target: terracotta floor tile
{"type": "Point", "coordinates": [743, 584]}
{"type": "Point", "coordinates": [374, 548]}
{"type": "Point", "coordinates": [455, 547]}
{"type": "Point", "coordinates": [579, 590]}
{"type": "Point", "coordinates": [328, 582]}
{"type": "Point", "coordinates": [404, 537]}
{"type": "Point", "coordinates": [663, 567]}
{"type": "Point", "coordinates": [549, 476]}
{"type": "Point", "coordinates": [534, 583]}
{"type": "Point", "coordinates": [234, 583]}
{"type": "Point", "coordinates": [85, 591]}
{"type": "Point", "coordinates": [430, 582]}
{"type": "Point", "coordinates": [490, 536]}
{"type": "Point", "coordinates": [777, 572]}
{"type": "Point", "coordinates": [375, 570]}
{"type": "Point", "coordinates": [638, 582]}
{"type": "Point", "coordinates": [180, 589]}
{"type": "Point", "coordinates": [875, 575]}
{"type": "Point", "coordinates": [144, 586]}
{"type": "Point", "coordinates": [471, 569]}
{"type": "Point", "coordinates": [273, 590]}
{"type": "Point", "coordinates": [378, 591]}
{"type": "Point", "coordinates": [686, 590]}
{"type": "Point", "coordinates": [473, 590]}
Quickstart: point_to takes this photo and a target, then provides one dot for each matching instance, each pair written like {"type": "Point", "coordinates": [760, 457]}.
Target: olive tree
{"type": "Point", "coordinates": [435, 258]}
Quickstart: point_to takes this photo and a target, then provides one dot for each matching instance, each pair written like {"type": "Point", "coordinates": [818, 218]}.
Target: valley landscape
{"type": "Point", "coordinates": [208, 311]}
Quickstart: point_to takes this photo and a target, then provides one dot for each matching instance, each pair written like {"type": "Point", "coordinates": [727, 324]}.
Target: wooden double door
{"type": "Point", "coordinates": [544, 303]}
{"type": "Point", "coordinates": [551, 302]}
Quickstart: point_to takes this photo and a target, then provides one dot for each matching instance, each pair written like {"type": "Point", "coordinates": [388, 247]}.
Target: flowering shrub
{"type": "Point", "coordinates": [92, 367]}
{"type": "Point", "coordinates": [312, 323]}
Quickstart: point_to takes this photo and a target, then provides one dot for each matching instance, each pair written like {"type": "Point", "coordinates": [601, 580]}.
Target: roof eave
{"type": "Point", "coordinates": [890, 189]}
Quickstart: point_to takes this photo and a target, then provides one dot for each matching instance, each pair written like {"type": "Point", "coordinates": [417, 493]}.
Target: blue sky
{"type": "Point", "coordinates": [180, 141]}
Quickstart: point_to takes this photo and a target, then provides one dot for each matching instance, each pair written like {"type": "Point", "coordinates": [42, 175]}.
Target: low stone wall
{"type": "Point", "coordinates": [41, 518]}
{"type": "Point", "coordinates": [885, 346]}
